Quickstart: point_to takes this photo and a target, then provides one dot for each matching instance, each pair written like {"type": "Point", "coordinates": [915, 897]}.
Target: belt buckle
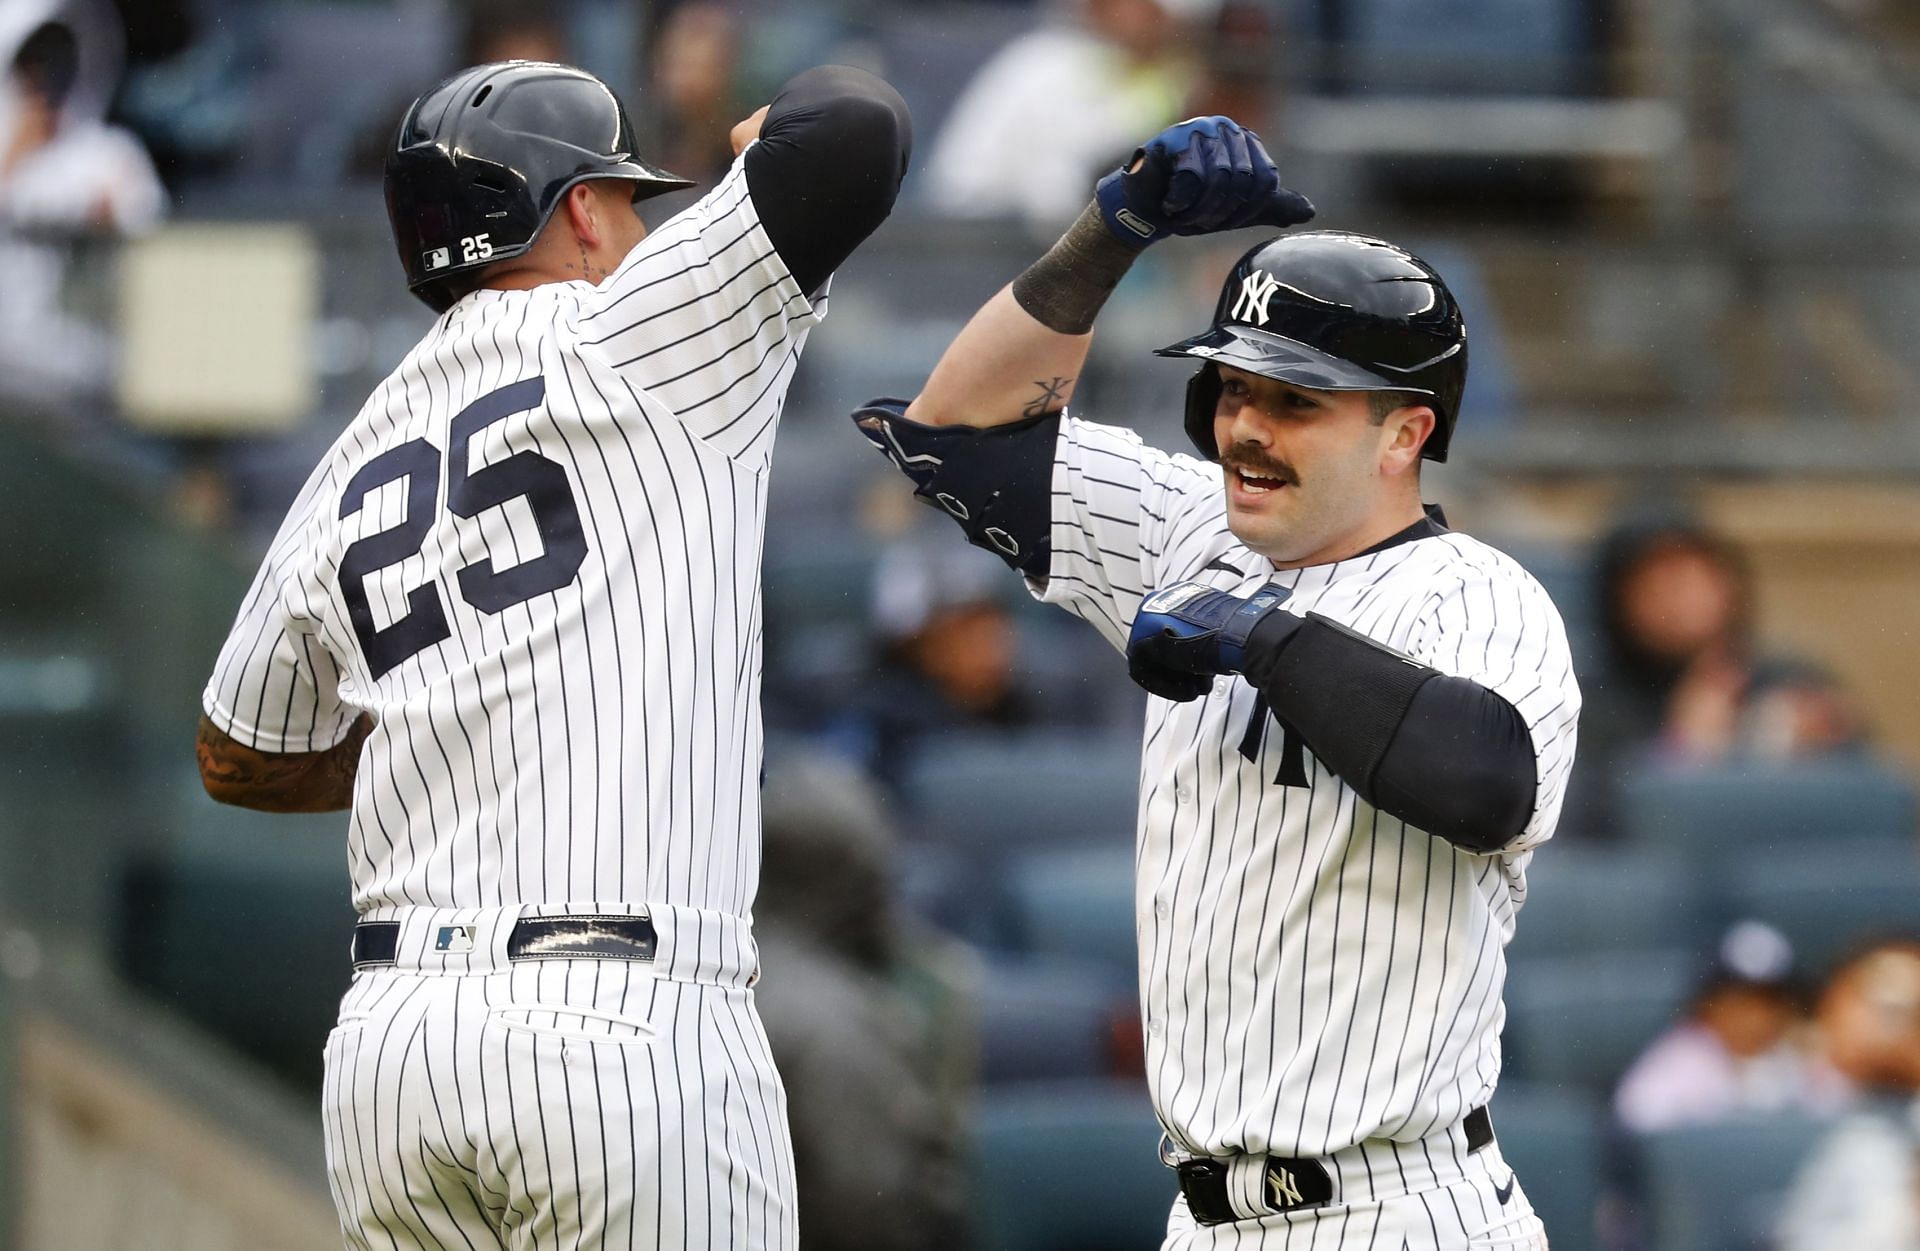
{"type": "Point", "coordinates": [1286, 1185]}
{"type": "Point", "coordinates": [1204, 1183]}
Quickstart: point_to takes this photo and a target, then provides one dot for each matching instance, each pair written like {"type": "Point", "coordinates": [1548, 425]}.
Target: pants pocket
{"type": "Point", "coordinates": [563, 1021]}
{"type": "Point", "coordinates": [1521, 1233]}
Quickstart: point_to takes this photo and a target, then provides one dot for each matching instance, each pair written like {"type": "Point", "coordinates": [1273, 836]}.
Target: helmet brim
{"type": "Point", "coordinates": [1288, 360]}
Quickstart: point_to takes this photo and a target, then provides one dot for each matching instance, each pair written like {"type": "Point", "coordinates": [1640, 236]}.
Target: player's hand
{"type": "Point", "coordinates": [1204, 175]}
{"type": "Point", "coordinates": [745, 132]}
{"type": "Point", "coordinates": [1187, 633]}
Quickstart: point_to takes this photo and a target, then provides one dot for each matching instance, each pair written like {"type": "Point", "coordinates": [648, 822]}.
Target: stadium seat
{"type": "Point", "coordinates": [243, 927]}
{"type": "Point", "coordinates": [1043, 1020]}
{"type": "Point", "coordinates": [998, 790]}
{"type": "Point", "coordinates": [1719, 1188]}
{"type": "Point", "coordinates": [1472, 46]}
{"type": "Point", "coordinates": [1070, 1167]}
{"type": "Point", "coordinates": [1826, 898]}
{"type": "Point", "coordinates": [1553, 1138]}
{"type": "Point", "coordinates": [1583, 898]}
{"type": "Point", "coordinates": [963, 895]}
{"type": "Point", "coordinates": [1755, 808]}
{"type": "Point", "coordinates": [1580, 1020]}
{"type": "Point", "coordinates": [1075, 901]}
{"type": "Point", "coordinates": [817, 576]}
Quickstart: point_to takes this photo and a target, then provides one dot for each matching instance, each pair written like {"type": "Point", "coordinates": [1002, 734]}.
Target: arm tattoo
{"type": "Point", "coordinates": [1053, 395]}
{"type": "Point", "coordinates": [310, 781]}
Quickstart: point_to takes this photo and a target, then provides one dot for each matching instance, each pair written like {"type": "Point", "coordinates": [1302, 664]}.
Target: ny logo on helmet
{"type": "Point", "coordinates": [1255, 290]}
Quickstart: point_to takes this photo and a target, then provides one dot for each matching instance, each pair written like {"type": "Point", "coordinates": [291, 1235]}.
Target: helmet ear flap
{"type": "Point", "coordinates": [1203, 400]}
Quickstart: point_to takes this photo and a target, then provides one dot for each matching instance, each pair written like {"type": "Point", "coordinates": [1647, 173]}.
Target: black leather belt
{"type": "Point", "coordinates": [1288, 1185]}
{"type": "Point", "coordinates": [533, 938]}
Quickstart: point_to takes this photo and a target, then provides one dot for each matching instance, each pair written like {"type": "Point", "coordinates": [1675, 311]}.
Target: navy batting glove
{"type": "Point", "coordinates": [1187, 633]}
{"type": "Point", "coordinates": [1204, 175]}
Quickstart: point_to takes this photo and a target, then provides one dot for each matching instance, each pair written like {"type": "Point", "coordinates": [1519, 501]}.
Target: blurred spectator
{"type": "Point", "coordinates": [1741, 1048]}
{"type": "Point", "coordinates": [945, 656]}
{"type": "Point", "coordinates": [1061, 105]}
{"type": "Point", "coordinates": [1860, 1189]}
{"type": "Point", "coordinates": [490, 30]}
{"type": "Point", "coordinates": [695, 97]}
{"type": "Point", "coordinates": [64, 175]}
{"type": "Point", "coordinates": [1682, 679]}
{"type": "Point", "coordinates": [876, 1133]}
{"type": "Point", "coordinates": [510, 30]}
{"type": "Point", "coordinates": [1240, 68]}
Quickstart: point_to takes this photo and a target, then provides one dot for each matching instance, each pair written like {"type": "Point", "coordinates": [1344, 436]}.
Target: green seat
{"type": "Point", "coordinates": [988, 790]}
{"type": "Point", "coordinates": [1579, 1021]}
{"type": "Point", "coordinates": [1051, 1019]}
{"type": "Point", "coordinates": [1554, 1140]}
{"type": "Point", "coordinates": [1829, 898]}
{"type": "Point", "coordinates": [1076, 901]}
{"type": "Point", "coordinates": [244, 927]}
{"type": "Point", "coordinates": [1072, 1167]}
{"type": "Point", "coordinates": [1755, 808]}
{"type": "Point", "coordinates": [1719, 1188]}
{"type": "Point", "coordinates": [1583, 899]}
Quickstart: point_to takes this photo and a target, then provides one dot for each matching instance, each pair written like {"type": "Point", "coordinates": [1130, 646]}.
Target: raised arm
{"type": "Point", "coordinates": [833, 147]}
{"type": "Point", "coordinates": [1021, 354]}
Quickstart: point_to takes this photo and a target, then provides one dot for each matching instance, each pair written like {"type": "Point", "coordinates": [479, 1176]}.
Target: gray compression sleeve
{"type": "Point", "coordinates": [1065, 289]}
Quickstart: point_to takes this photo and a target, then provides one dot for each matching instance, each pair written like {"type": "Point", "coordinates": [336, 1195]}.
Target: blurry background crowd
{"type": "Point", "coordinates": [1686, 234]}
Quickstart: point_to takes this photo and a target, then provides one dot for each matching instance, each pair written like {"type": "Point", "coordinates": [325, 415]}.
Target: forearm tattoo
{"type": "Point", "coordinates": [315, 781]}
{"type": "Point", "coordinates": [1066, 288]}
{"type": "Point", "coordinates": [1053, 396]}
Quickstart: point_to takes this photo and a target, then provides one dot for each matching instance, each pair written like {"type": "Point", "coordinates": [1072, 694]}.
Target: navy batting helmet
{"type": "Point", "coordinates": [1333, 311]}
{"type": "Point", "coordinates": [482, 159]}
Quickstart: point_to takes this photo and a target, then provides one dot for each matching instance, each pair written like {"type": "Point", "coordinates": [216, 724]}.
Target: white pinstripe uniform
{"type": "Point", "coordinates": [1319, 979]}
{"type": "Point", "coordinates": [534, 556]}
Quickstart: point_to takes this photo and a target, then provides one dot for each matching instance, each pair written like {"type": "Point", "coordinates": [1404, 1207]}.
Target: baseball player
{"type": "Point", "coordinates": [1362, 720]}
{"type": "Point", "coordinates": [513, 620]}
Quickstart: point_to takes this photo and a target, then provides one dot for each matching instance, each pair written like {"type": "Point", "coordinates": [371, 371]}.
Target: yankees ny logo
{"type": "Point", "coordinates": [1255, 290]}
{"type": "Point", "coordinates": [1285, 1191]}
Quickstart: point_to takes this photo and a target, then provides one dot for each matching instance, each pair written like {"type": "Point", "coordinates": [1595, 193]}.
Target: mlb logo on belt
{"type": "Point", "coordinates": [454, 938]}
{"type": "Point", "coordinates": [438, 258]}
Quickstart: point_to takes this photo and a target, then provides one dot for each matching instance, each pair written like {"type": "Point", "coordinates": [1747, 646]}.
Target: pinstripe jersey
{"type": "Point", "coordinates": [534, 556]}
{"type": "Point", "coordinates": [1314, 972]}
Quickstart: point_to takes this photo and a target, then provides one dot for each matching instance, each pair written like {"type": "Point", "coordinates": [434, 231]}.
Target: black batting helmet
{"type": "Point", "coordinates": [1334, 312]}
{"type": "Point", "coordinates": [482, 159]}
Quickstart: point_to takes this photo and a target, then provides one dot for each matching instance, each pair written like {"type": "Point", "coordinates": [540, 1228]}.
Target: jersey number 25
{"type": "Point", "coordinates": [524, 475]}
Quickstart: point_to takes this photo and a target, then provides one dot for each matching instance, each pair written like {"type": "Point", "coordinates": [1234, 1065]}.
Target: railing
{"type": "Point", "coordinates": [131, 1133]}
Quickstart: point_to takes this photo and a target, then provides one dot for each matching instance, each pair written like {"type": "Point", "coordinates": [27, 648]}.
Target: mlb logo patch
{"type": "Point", "coordinates": [454, 939]}
{"type": "Point", "coordinates": [439, 258]}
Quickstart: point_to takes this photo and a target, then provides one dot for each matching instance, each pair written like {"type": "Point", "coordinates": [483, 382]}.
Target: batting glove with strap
{"type": "Point", "coordinates": [1204, 175]}
{"type": "Point", "coordinates": [1187, 633]}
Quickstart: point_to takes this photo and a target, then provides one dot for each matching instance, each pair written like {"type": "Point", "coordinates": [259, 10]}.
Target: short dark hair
{"type": "Point", "coordinates": [49, 61]}
{"type": "Point", "coordinates": [1384, 404]}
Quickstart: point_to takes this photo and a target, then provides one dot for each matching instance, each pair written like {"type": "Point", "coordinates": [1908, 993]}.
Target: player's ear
{"type": "Point", "coordinates": [584, 214]}
{"type": "Point", "coordinates": [1406, 431]}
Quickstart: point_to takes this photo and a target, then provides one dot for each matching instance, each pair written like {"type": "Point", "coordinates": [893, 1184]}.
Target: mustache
{"type": "Point", "coordinates": [1250, 459]}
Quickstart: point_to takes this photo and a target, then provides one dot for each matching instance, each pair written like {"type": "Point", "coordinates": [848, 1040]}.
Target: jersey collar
{"type": "Point", "coordinates": [1429, 526]}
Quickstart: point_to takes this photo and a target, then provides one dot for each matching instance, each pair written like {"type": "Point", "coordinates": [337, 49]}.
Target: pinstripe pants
{"type": "Point", "coordinates": [1477, 1205]}
{"type": "Point", "coordinates": [555, 1104]}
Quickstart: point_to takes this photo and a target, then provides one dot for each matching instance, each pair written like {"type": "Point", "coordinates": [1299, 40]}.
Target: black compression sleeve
{"type": "Point", "coordinates": [824, 175]}
{"type": "Point", "coordinates": [1441, 753]}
